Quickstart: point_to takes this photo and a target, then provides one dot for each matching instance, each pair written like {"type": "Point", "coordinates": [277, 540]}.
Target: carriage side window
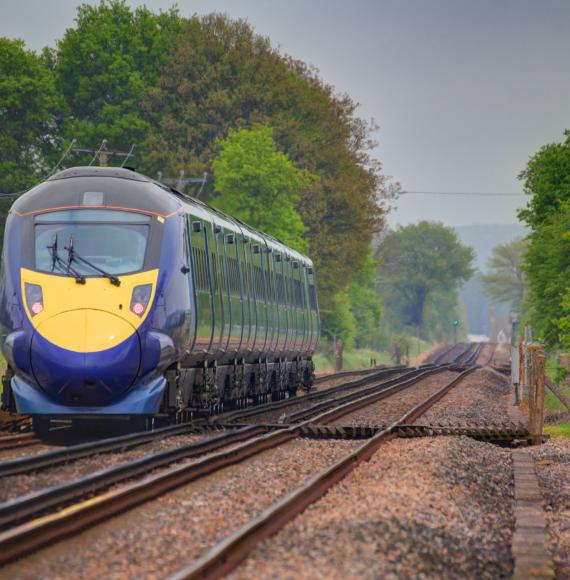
{"type": "Point", "coordinates": [312, 296]}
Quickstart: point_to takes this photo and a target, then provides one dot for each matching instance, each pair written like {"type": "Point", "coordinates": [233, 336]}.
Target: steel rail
{"type": "Point", "coordinates": [18, 441]}
{"type": "Point", "coordinates": [275, 406]}
{"type": "Point", "coordinates": [57, 457]}
{"type": "Point", "coordinates": [227, 554]}
{"type": "Point", "coordinates": [354, 401]}
{"type": "Point", "coordinates": [35, 503]}
{"type": "Point", "coordinates": [341, 374]}
{"type": "Point", "coordinates": [50, 459]}
{"type": "Point", "coordinates": [32, 534]}
{"type": "Point", "coordinates": [439, 357]}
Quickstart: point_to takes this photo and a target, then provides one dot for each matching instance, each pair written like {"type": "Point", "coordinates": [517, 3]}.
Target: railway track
{"type": "Point", "coordinates": [23, 534]}
{"type": "Point", "coordinates": [18, 441]}
{"type": "Point", "coordinates": [57, 457]}
{"type": "Point", "coordinates": [227, 554]}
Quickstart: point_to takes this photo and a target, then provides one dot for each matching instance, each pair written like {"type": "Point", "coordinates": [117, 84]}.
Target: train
{"type": "Point", "coordinates": [123, 297]}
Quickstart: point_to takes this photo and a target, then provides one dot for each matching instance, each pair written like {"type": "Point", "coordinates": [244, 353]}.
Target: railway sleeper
{"type": "Point", "coordinates": [511, 433]}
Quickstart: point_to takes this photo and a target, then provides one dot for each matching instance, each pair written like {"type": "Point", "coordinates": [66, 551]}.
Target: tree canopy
{"type": "Point", "coordinates": [104, 65]}
{"type": "Point", "coordinates": [505, 281]}
{"type": "Point", "coordinates": [260, 185]}
{"type": "Point", "coordinates": [419, 262]}
{"type": "Point", "coordinates": [28, 116]}
{"type": "Point", "coordinates": [547, 263]}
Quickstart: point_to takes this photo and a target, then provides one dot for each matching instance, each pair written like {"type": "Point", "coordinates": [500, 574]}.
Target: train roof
{"type": "Point", "coordinates": [119, 187]}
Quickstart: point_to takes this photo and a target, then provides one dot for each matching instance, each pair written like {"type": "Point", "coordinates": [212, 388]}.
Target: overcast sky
{"type": "Point", "coordinates": [464, 90]}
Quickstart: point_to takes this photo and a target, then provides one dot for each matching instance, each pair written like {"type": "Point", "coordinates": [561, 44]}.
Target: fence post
{"type": "Point", "coordinates": [536, 378]}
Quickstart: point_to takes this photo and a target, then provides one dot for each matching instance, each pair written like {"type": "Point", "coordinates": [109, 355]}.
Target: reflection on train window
{"type": "Point", "coordinates": [113, 247]}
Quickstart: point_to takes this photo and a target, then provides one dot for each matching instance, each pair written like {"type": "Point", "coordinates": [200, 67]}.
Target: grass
{"type": "Point", "coordinates": [550, 400]}
{"type": "Point", "coordinates": [562, 430]}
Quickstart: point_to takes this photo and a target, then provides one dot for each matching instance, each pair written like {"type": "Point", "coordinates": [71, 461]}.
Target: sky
{"type": "Point", "coordinates": [464, 91]}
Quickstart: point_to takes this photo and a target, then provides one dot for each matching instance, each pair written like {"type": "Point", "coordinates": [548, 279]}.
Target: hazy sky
{"type": "Point", "coordinates": [464, 90]}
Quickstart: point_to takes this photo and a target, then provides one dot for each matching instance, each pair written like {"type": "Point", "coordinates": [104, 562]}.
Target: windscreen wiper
{"type": "Point", "coordinates": [56, 260]}
{"type": "Point", "coordinates": [73, 255]}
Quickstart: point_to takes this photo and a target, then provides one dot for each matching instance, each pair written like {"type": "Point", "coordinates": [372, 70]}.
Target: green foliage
{"type": "Point", "coordinates": [28, 116]}
{"type": "Point", "coordinates": [505, 281]}
{"type": "Point", "coordinates": [547, 179]}
{"type": "Point", "coordinates": [222, 76]}
{"type": "Point", "coordinates": [28, 119]}
{"type": "Point", "coordinates": [563, 323]}
{"type": "Point", "coordinates": [341, 320]}
{"type": "Point", "coordinates": [366, 306]}
{"type": "Point", "coordinates": [260, 185]}
{"type": "Point", "coordinates": [548, 269]}
{"type": "Point", "coordinates": [421, 262]}
{"type": "Point", "coordinates": [103, 67]}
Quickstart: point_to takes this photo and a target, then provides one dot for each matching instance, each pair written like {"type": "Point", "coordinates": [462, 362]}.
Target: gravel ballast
{"type": "Point", "coordinates": [156, 539]}
{"type": "Point", "coordinates": [481, 397]}
{"type": "Point", "coordinates": [552, 462]}
{"type": "Point", "coordinates": [11, 487]}
{"type": "Point", "coordinates": [431, 508]}
{"type": "Point", "coordinates": [388, 410]}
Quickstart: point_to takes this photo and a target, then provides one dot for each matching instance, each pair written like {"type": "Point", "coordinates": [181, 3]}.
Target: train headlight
{"type": "Point", "coordinates": [140, 298]}
{"type": "Point", "coordinates": [34, 298]}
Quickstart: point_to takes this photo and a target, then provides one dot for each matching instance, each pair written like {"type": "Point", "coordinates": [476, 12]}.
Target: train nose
{"type": "Point", "coordinates": [86, 356]}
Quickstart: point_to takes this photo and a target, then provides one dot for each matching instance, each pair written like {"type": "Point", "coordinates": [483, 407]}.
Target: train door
{"type": "Point", "coordinates": [259, 287]}
{"type": "Point", "coordinates": [202, 283]}
{"type": "Point", "coordinates": [217, 288]}
{"type": "Point", "coordinates": [224, 293]}
{"type": "Point", "coordinates": [315, 322]}
{"type": "Point", "coordinates": [231, 245]}
{"type": "Point", "coordinates": [242, 245]}
{"type": "Point", "coordinates": [273, 318]}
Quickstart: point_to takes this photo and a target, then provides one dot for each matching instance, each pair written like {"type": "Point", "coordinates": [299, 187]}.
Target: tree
{"type": "Point", "coordinates": [29, 108]}
{"type": "Point", "coordinates": [505, 281]}
{"type": "Point", "coordinates": [547, 263]}
{"type": "Point", "coordinates": [222, 76]}
{"type": "Point", "coordinates": [416, 262]}
{"type": "Point", "coordinates": [366, 306]}
{"type": "Point", "coordinates": [104, 66]}
{"type": "Point", "coordinates": [28, 115]}
{"type": "Point", "coordinates": [547, 179]}
{"type": "Point", "coordinates": [260, 185]}
{"type": "Point", "coordinates": [548, 268]}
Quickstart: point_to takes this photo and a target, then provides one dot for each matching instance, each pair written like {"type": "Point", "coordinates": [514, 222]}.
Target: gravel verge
{"type": "Point", "coordinates": [388, 410]}
{"type": "Point", "coordinates": [156, 539]}
{"type": "Point", "coordinates": [481, 397]}
{"type": "Point", "coordinates": [553, 469]}
{"type": "Point", "coordinates": [14, 486]}
{"type": "Point", "coordinates": [431, 508]}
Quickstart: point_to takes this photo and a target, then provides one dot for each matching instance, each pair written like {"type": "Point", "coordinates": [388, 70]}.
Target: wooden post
{"type": "Point", "coordinates": [536, 378]}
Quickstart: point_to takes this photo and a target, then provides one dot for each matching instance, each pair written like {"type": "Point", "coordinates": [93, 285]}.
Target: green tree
{"type": "Point", "coordinates": [547, 263]}
{"type": "Point", "coordinates": [222, 76]}
{"type": "Point", "coordinates": [29, 108]}
{"type": "Point", "coordinates": [547, 180]}
{"type": "Point", "coordinates": [258, 184]}
{"type": "Point", "coordinates": [548, 269]}
{"type": "Point", "coordinates": [366, 306]}
{"type": "Point", "coordinates": [416, 262]}
{"type": "Point", "coordinates": [105, 64]}
{"type": "Point", "coordinates": [506, 281]}
{"type": "Point", "coordinates": [28, 116]}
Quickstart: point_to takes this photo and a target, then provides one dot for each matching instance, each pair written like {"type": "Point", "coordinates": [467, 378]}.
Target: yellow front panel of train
{"type": "Point", "coordinates": [89, 317]}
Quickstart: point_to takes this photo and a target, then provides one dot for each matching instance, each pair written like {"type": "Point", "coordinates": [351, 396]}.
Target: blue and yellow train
{"type": "Point", "coordinates": [122, 297]}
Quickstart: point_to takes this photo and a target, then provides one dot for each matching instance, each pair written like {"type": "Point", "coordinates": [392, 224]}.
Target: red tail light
{"type": "Point", "coordinates": [34, 298]}
{"type": "Point", "coordinates": [140, 299]}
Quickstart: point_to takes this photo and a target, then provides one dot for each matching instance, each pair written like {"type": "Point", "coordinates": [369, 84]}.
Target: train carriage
{"type": "Point", "coordinates": [122, 297]}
